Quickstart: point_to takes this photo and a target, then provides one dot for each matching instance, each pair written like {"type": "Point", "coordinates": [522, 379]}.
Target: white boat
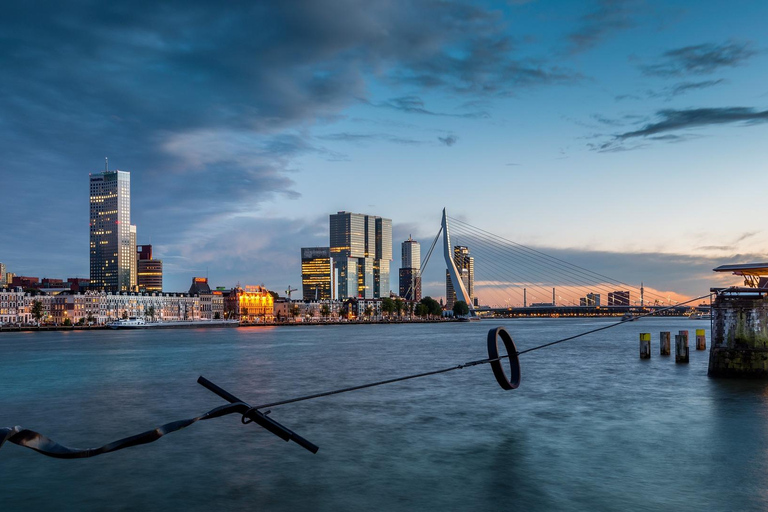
{"type": "Point", "coordinates": [140, 323]}
{"type": "Point", "coordinates": [700, 316]}
{"type": "Point", "coordinates": [128, 323]}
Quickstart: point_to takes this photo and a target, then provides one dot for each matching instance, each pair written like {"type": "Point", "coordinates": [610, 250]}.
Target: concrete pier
{"type": "Point", "coordinates": [645, 345]}
{"type": "Point", "coordinates": [664, 338]}
{"type": "Point", "coordinates": [681, 347]}
{"type": "Point", "coordinates": [739, 333]}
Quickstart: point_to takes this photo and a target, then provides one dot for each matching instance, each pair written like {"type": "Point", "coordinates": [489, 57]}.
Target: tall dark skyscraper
{"type": "Point", "coordinates": [112, 254]}
{"type": "Point", "coordinates": [361, 248]}
{"type": "Point", "coordinates": [317, 273]}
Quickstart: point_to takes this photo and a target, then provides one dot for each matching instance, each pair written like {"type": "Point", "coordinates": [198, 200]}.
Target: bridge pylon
{"type": "Point", "coordinates": [453, 272]}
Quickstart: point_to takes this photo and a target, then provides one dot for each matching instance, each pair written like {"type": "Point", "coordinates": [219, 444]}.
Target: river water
{"type": "Point", "coordinates": [592, 427]}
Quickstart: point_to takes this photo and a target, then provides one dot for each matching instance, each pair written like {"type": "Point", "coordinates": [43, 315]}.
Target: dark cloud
{"type": "Point", "coordinates": [676, 120]}
{"type": "Point", "coordinates": [448, 140]}
{"type": "Point", "coordinates": [609, 17]}
{"type": "Point", "coordinates": [684, 87]}
{"type": "Point", "coordinates": [210, 107]}
{"type": "Point", "coordinates": [672, 91]}
{"type": "Point", "coordinates": [415, 105]}
{"type": "Point", "coordinates": [369, 137]}
{"type": "Point", "coordinates": [700, 59]}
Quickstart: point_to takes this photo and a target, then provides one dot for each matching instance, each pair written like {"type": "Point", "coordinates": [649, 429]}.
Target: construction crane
{"type": "Point", "coordinates": [289, 290]}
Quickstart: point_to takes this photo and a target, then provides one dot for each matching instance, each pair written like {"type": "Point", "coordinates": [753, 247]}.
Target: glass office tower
{"type": "Point", "coordinates": [110, 231]}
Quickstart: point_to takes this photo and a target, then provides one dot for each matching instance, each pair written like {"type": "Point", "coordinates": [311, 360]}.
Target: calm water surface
{"type": "Point", "coordinates": [591, 427]}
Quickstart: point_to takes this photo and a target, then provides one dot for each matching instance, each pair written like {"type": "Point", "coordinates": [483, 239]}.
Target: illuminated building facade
{"type": "Point", "coordinates": [110, 230]}
{"type": "Point", "coordinates": [592, 299]}
{"type": "Point", "coordinates": [317, 274]}
{"type": "Point", "coordinates": [465, 265]}
{"type": "Point", "coordinates": [410, 270]}
{"type": "Point", "coordinates": [252, 304]}
{"type": "Point", "coordinates": [149, 271]}
{"type": "Point", "coordinates": [3, 276]}
{"type": "Point", "coordinates": [362, 245]}
{"type": "Point", "coordinates": [134, 259]}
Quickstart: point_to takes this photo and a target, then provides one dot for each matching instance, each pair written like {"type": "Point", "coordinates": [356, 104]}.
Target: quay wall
{"type": "Point", "coordinates": [739, 336]}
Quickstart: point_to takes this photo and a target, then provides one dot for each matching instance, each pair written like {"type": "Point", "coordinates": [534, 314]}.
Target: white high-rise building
{"type": "Point", "coordinates": [411, 253]}
{"type": "Point", "coordinates": [110, 229]}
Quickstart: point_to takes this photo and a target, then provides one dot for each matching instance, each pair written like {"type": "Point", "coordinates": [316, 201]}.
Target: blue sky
{"type": "Point", "coordinates": [587, 129]}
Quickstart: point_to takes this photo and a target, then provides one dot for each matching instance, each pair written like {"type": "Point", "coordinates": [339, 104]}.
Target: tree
{"type": "Point", "coordinates": [90, 318]}
{"type": "Point", "coordinates": [67, 322]}
{"type": "Point", "coordinates": [295, 311]}
{"type": "Point", "coordinates": [151, 313]}
{"type": "Point", "coordinates": [368, 311]}
{"type": "Point", "coordinates": [325, 311]}
{"type": "Point", "coordinates": [387, 306]}
{"type": "Point", "coordinates": [433, 307]}
{"type": "Point", "coordinates": [460, 308]}
{"type": "Point", "coordinates": [421, 310]}
{"type": "Point", "coordinates": [217, 316]}
{"type": "Point", "coordinates": [399, 306]}
{"type": "Point", "coordinates": [125, 314]}
{"type": "Point", "coordinates": [37, 310]}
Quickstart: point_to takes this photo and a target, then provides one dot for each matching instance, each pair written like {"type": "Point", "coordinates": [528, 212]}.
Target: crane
{"type": "Point", "coordinates": [289, 290]}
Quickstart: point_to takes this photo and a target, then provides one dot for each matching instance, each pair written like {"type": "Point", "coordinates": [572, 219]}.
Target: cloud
{"type": "Point", "coordinates": [700, 59]}
{"type": "Point", "coordinates": [609, 17]}
{"type": "Point", "coordinates": [362, 138]}
{"type": "Point", "coordinates": [448, 140]}
{"type": "Point", "coordinates": [415, 105]}
{"type": "Point", "coordinates": [211, 109]}
{"type": "Point", "coordinates": [676, 120]}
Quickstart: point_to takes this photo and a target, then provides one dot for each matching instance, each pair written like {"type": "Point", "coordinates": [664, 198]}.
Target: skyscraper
{"type": "Point", "coordinates": [149, 271]}
{"type": "Point", "coordinates": [465, 264]}
{"type": "Point", "coordinates": [134, 259]}
{"type": "Point", "coordinates": [110, 230]}
{"type": "Point", "coordinates": [2, 275]}
{"type": "Point", "coordinates": [410, 270]}
{"type": "Point", "coordinates": [361, 248]}
{"type": "Point", "coordinates": [317, 280]}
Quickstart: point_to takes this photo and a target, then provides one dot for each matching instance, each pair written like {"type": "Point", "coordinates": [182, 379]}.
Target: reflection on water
{"type": "Point", "coordinates": [592, 427]}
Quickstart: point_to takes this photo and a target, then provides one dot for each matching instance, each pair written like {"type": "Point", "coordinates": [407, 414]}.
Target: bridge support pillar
{"type": "Point", "coordinates": [681, 347]}
{"type": "Point", "coordinates": [664, 338]}
{"type": "Point", "coordinates": [645, 345]}
{"type": "Point", "coordinates": [739, 334]}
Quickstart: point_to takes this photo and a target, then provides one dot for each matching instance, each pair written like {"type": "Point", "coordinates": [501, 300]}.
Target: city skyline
{"type": "Point", "coordinates": [615, 135]}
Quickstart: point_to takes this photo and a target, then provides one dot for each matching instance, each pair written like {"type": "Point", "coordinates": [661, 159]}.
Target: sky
{"type": "Point", "coordinates": [629, 135]}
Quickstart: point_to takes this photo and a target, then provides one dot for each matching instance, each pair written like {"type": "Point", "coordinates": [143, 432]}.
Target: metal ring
{"type": "Point", "coordinates": [514, 363]}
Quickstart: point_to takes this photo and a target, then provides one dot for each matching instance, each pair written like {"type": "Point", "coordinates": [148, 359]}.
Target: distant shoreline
{"type": "Point", "coordinates": [170, 325]}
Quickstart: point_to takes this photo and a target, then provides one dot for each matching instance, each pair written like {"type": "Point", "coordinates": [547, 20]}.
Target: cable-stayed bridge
{"type": "Point", "coordinates": [494, 274]}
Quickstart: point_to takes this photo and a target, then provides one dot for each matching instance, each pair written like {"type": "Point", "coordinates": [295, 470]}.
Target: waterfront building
{"type": "Point", "coordinates": [361, 248]}
{"type": "Point", "coordinates": [249, 304]}
{"type": "Point", "coordinates": [410, 270]}
{"type": "Point", "coordinates": [211, 301]}
{"type": "Point", "coordinates": [3, 276]}
{"type": "Point", "coordinates": [149, 274]}
{"type": "Point", "coordinates": [618, 298]}
{"type": "Point", "coordinates": [465, 265]}
{"type": "Point", "coordinates": [317, 274]}
{"type": "Point", "coordinates": [111, 252]}
{"type": "Point", "coordinates": [134, 259]}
